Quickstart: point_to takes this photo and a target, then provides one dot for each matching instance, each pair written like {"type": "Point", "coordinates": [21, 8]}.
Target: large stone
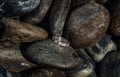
{"type": "Point", "coordinates": [86, 25]}
{"type": "Point", "coordinates": [47, 53]}
{"type": "Point", "coordinates": [17, 31]}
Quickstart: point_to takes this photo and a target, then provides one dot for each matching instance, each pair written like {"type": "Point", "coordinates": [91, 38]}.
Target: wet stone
{"type": "Point", "coordinates": [86, 25]}
{"type": "Point", "coordinates": [11, 57]}
{"type": "Point", "coordinates": [17, 31]}
{"type": "Point", "coordinates": [48, 53]}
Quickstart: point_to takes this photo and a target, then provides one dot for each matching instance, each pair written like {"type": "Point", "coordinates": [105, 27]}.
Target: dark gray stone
{"type": "Point", "coordinates": [48, 53]}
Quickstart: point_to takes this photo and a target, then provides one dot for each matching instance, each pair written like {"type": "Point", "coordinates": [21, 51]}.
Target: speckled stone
{"type": "Point", "coordinates": [17, 31]}
{"type": "Point", "coordinates": [48, 53]}
{"type": "Point", "coordinates": [11, 57]}
{"type": "Point", "coordinates": [86, 25]}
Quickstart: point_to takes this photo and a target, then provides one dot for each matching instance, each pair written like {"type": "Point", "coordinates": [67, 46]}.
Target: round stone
{"type": "Point", "coordinates": [86, 25]}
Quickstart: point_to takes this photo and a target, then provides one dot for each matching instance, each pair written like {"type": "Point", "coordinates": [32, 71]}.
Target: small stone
{"type": "Point", "coordinates": [48, 53]}
{"type": "Point", "coordinates": [17, 31]}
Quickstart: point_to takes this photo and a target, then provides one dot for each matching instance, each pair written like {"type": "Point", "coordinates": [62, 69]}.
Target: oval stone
{"type": "Point", "coordinates": [86, 25]}
{"type": "Point", "coordinates": [48, 53]}
{"type": "Point", "coordinates": [17, 31]}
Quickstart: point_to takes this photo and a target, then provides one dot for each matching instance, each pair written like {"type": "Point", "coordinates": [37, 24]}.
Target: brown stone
{"type": "Point", "coordinates": [17, 31]}
{"type": "Point", "coordinates": [86, 25]}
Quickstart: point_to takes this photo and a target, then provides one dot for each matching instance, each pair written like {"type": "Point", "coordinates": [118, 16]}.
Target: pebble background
{"type": "Point", "coordinates": [59, 38]}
